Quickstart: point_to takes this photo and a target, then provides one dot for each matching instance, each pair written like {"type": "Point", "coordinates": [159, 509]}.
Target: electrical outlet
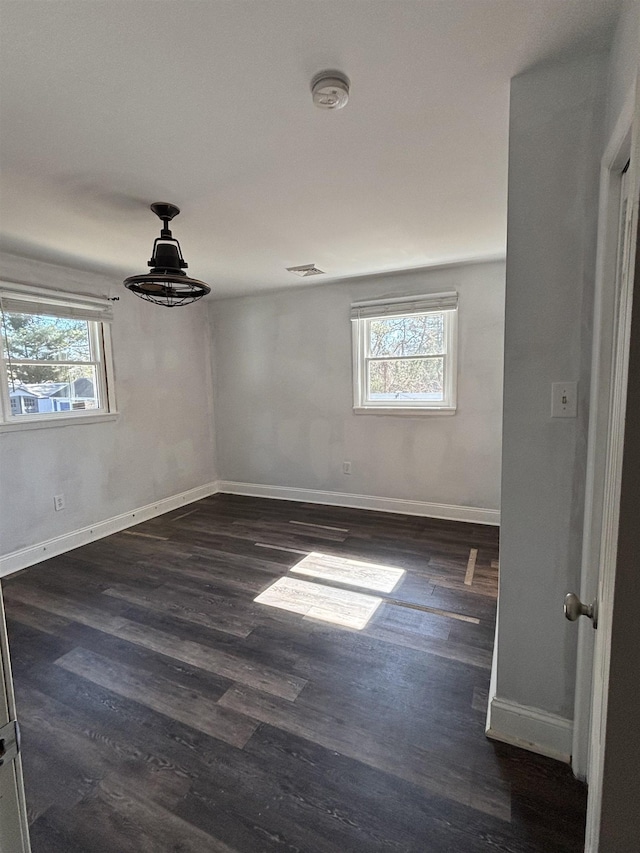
{"type": "Point", "coordinates": [346, 467]}
{"type": "Point", "coordinates": [58, 502]}
{"type": "Point", "coordinates": [564, 399]}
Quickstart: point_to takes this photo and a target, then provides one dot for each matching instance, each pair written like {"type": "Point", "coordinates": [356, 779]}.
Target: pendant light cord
{"type": "Point", "coordinates": [5, 335]}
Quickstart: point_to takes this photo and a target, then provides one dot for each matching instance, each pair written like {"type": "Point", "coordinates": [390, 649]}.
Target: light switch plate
{"type": "Point", "coordinates": [564, 399]}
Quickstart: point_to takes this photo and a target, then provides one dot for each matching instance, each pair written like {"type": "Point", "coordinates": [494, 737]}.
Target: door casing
{"type": "Point", "coordinates": [14, 828]}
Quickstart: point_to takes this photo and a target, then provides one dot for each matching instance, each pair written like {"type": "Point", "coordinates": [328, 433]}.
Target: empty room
{"type": "Point", "coordinates": [337, 555]}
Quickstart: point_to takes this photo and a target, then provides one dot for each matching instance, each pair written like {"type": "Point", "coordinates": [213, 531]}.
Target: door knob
{"type": "Point", "coordinates": [574, 608]}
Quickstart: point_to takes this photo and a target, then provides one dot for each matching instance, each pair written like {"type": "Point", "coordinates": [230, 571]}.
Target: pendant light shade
{"type": "Point", "coordinates": [167, 284]}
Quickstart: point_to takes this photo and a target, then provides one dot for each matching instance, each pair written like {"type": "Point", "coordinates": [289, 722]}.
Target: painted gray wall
{"type": "Point", "coordinates": [284, 395]}
{"type": "Point", "coordinates": [554, 154]}
{"type": "Point", "coordinates": [161, 444]}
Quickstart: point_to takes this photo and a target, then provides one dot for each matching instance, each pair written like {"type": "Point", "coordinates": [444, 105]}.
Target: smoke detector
{"type": "Point", "coordinates": [330, 90]}
{"type": "Point", "coordinates": [305, 270]}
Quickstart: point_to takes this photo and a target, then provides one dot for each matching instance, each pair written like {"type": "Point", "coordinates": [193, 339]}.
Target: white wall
{"type": "Point", "coordinates": [161, 444]}
{"type": "Point", "coordinates": [554, 155]}
{"type": "Point", "coordinates": [623, 64]}
{"type": "Point", "coordinates": [284, 395]}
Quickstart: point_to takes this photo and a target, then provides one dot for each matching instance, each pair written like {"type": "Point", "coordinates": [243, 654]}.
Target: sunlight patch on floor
{"type": "Point", "coordinates": [373, 576]}
{"type": "Point", "coordinates": [316, 601]}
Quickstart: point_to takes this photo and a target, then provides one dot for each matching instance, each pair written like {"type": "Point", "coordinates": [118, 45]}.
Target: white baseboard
{"type": "Point", "coordinates": [399, 505]}
{"type": "Point", "coordinates": [25, 557]}
{"type": "Point", "coordinates": [33, 554]}
{"type": "Point", "coordinates": [530, 728]}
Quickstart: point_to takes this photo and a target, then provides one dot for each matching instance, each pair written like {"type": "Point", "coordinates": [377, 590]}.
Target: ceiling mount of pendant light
{"type": "Point", "coordinates": [167, 284]}
{"type": "Point", "coordinates": [330, 90]}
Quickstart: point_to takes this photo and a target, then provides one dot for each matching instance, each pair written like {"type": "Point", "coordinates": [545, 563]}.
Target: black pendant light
{"type": "Point", "coordinates": [167, 284]}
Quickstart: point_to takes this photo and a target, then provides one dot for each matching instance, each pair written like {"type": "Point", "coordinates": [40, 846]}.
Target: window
{"type": "Point", "coordinates": [56, 357]}
{"type": "Point", "coordinates": [404, 354]}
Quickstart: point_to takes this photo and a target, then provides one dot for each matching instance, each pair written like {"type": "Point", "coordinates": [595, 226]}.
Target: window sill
{"type": "Point", "coordinates": [411, 411]}
{"type": "Point", "coordinates": [46, 423]}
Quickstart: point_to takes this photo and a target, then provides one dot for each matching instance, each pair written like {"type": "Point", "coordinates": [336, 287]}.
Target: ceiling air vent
{"type": "Point", "coordinates": [306, 269]}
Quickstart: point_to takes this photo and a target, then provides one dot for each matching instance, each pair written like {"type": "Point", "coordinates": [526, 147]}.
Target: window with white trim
{"type": "Point", "coordinates": [55, 355]}
{"type": "Point", "coordinates": [404, 354]}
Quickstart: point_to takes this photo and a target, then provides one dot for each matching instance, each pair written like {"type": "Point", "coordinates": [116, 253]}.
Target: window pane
{"type": "Point", "coordinates": [45, 338]}
{"type": "Point", "coordinates": [419, 379]}
{"type": "Point", "coordinates": [52, 389]}
{"type": "Point", "coordinates": [417, 334]}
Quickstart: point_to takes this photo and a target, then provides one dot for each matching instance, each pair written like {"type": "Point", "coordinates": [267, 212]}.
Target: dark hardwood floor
{"type": "Point", "coordinates": [163, 709]}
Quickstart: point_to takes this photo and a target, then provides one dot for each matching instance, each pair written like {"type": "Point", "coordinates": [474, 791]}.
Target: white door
{"type": "Point", "coordinates": [609, 766]}
{"type": "Point", "coordinates": [614, 224]}
{"type": "Point", "coordinates": [14, 832]}
{"type": "Point", "coordinates": [614, 807]}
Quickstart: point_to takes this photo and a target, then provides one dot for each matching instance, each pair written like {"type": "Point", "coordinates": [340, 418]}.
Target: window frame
{"type": "Point", "coordinates": [362, 313]}
{"type": "Point", "coordinates": [97, 312]}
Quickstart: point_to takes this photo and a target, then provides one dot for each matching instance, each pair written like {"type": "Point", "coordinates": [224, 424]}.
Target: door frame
{"type": "Point", "coordinates": [612, 495]}
{"type": "Point", "coordinates": [15, 804]}
{"type": "Point", "coordinates": [617, 153]}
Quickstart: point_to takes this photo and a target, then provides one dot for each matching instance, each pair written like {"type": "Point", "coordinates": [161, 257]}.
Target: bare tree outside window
{"type": "Point", "coordinates": [406, 357]}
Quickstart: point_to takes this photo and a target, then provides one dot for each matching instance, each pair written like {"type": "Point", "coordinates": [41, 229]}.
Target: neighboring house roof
{"type": "Point", "coordinates": [81, 387]}
{"type": "Point", "coordinates": [21, 391]}
{"type": "Point", "coordinates": [44, 389]}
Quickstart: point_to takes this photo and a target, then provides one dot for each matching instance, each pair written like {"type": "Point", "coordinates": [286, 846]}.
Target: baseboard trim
{"type": "Point", "coordinates": [33, 554]}
{"type": "Point", "coordinates": [530, 728]}
{"type": "Point", "coordinates": [25, 557]}
{"type": "Point", "coordinates": [475, 515]}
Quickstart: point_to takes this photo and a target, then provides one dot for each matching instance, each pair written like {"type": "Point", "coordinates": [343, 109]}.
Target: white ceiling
{"type": "Point", "coordinates": [109, 106]}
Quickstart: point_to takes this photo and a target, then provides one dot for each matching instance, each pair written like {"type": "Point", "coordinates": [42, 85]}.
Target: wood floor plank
{"type": "Point", "coordinates": [240, 572]}
{"type": "Point", "coordinates": [341, 794]}
{"type": "Point", "coordinates": [317, 601]}
{"type": "Point", "coordinates": [465, 603]}
{"type": "Point", "coordinates": [163, 695]}
{"type": "Point", "coordinates": [471, 566]}
{"type": "Point", "coordinates": [488, 588]}
{"type": "Point", "coordinates": [36, 618]}
{"type": "Point", "coordinates": [88, 574]}
{"type": "Point", "coordinates": [204, 610]}
{"type": "Point", "coordinates": [31, 647]}
{"type": "Point", "coordinates": [294, 530]}
{"type": "Point", "coordinates": [190, 678]}
{"type": "Point", "coordinates": [215, 771]}
{"type": "Point", "coordinates": [355, 573]}
{"type": "Point", "coordinates": [437, 611]}
{"type": "Point", "coordinates": [131, 738]}
{"type": "Point", "coordinates": [444, 649]}
{"type": "Point", "coordinates": [409, 620]}
{"type": "Point", "coordinates": [66, 607]}
{"type": "Point", "coordinates": [49, 733]}
{"type": "Point", "coordinates": [196, 654]}
{"type": "Point", "coordinates": [325, 526]}
{"type": "Point", "coordinates": [421, 768]}
{"type": "Point", "coordinates": [118, 818]}
{"type": "Point", "coordinates": [480, 701]}
{"type": "Point", "coordinates": [215, 660]}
